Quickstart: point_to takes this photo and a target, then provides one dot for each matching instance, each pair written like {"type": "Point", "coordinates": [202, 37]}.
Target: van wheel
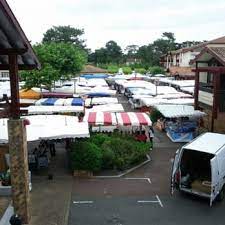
{"type": "Point", "coordinates": [221, 195]}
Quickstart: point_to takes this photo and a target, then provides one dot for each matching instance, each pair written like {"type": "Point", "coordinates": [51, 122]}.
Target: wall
{"type": "Point", "coordinates": [205, 97]}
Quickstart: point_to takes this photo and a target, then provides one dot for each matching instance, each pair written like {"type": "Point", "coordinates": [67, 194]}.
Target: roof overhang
{"type": "Point", "coordinates": [13, 41]}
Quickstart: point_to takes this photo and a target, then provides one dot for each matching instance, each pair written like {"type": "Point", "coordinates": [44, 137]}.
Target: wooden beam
{"type": "Point", "coordinates": [20, 67]}
{"type": "Point", "coordinates": [196, 91]}
{"type": "Point", "coordinates": [9, 51]}
{"type": "Point", "coordinates": [14, 85]}
{"type": "Point", "coordinates": [216, 69]}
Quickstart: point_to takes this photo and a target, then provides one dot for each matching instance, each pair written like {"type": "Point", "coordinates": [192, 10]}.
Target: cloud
{"type": "Point", "coordinates": [125, 21]}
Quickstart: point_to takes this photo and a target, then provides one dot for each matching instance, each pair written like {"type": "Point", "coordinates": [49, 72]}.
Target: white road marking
{"type": "Point", "coordinates": [159, 201]}
{"type": "Point", "coordinates": [82, 202]}
{"type": "Point", "coordinates": [147, 201]}
{"type": "Point", "coordinates": [139, 178]}
{"type": "Point", "coordinates": [143, 201]}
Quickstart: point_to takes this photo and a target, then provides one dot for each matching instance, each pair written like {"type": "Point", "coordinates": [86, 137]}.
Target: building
{"type": "Point", "coordinates": [177, 63]}
{"type": "Point", "coordinates": [4, 75]}
{"type": "Point", "coordinates": [209, 68]}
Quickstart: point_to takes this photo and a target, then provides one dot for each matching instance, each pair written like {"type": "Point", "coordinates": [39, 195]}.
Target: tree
{"type": "Point", "coordinates": [59, 60]}
{"type": "Point", "coordinates": [66, 34]}
{"type": "Point", "coordinates": [131, 50]}
{"type": "Point", "coordinates": [114, 52]}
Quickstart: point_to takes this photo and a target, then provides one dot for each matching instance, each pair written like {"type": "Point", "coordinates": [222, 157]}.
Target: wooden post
{"type": "Point", "coordinates": [196, 92]}
{"type": "Point", "coordinates": [215, 98]}
{"type": "Point", "coordinates": [14, 85]}
{"type": "Point", "coordinates": [18, 147]}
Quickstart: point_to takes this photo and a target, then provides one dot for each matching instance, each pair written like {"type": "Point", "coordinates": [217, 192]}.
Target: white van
{"type": "Point", "coordinates": [199, 167]}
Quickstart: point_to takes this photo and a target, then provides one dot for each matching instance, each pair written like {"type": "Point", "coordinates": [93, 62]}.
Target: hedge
{"type": "Point", "coordinates": [101, 151]}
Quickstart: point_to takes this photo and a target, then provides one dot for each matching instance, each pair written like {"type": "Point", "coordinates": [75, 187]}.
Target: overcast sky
{"type": "Point", "coordinates": [124, 21]}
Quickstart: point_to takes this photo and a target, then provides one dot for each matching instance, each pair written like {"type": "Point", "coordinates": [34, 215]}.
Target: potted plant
{"type": "Point", "coordinates": [5, 178]}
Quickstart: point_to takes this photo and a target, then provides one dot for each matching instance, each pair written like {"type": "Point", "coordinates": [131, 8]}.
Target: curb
{"type": "Point", "coordinates": [127, 171]}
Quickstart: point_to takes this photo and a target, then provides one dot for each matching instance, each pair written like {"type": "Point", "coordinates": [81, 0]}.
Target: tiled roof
{"type": "Point", "coordinates": [182, 71]}
{"type": "Point", "coordinates": [219, 52]}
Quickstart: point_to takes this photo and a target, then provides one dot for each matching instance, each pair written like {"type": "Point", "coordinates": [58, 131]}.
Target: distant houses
{"type": "Point", "coordinates": [177, 63]}
{"type": "Point", "coordinates": [209, 68]}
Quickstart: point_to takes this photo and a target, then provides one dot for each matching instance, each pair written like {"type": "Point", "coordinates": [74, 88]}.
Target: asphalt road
{"type": "Point", "coordinates": [143, 200]}
{"type": "Point", "coordinates": [140, 198]}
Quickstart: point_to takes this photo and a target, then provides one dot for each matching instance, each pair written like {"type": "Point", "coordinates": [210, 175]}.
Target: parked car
{"type": "Point", "coordinates": [199, 167]}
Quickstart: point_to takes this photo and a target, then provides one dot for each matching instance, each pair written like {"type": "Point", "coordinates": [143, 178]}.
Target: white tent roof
{"type": "Point", "coordinates": [40, 109]}
{"type": "Point", "coordinates": [101, 101]}
{"type": "Point", "coordinates": [106, 108]}
{"type": "Point", "coordinates": [49, 127]}
{"type": "Point", "coordinates": [176, 111]}
{"type": "Point", "coordinates": [188, 89]}
{"type": "Point", "coordinates": [181, 101]}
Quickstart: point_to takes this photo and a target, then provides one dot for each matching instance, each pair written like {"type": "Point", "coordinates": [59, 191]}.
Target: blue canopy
{"type": "Point", "coordinates": [77, 102]}
{"type": "Point", "coordinates": [98, 94]}
{"type": "Point", "coordinates": [90, 76]}
{"type": "Point", "coordinates": [49, 101]}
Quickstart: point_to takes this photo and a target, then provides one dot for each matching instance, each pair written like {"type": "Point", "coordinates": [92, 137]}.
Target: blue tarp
{"type": "Point", "coordinates": [77, 102]}
{"type": "Point", "coordinates": [183, 132]}
{"type": "Point", "coordinates": [90, 76]}
{"type": "Point", "coordinates": [98, 94]}
{"type": "Point", "coordinates": [49, 101]}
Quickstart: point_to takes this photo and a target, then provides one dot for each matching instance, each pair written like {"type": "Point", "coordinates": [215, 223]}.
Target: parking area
{"type": "Point", "coordinates": [141, 197]}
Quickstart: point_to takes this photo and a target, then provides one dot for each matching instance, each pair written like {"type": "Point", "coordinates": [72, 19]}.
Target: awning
{"type": "Point", "coordinates": [101, 101]}
{"type": "Point", "coordinates": [60, 102]}
{"type": "Point", "coordinates": [177, 111]}
{"type": "Point", "coordinates": [49, 127]}
{"type": "Point", "coordinates": [106, 108]}
{"type": "Point", "coordinates": [133, 119]}
{"type": "Point", "coordinates": [29, 94]}
{"type": "Point", "coordinates": [74, 102]}
{"type": "Point", "coordinates": [42, 109]}
{"type": "Point", "coordinates": [100, 118]}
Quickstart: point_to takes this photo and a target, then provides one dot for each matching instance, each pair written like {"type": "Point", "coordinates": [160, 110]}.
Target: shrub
{"type": "Point", "coordinates": [108, 152]}
{"type": "Point", "coordinates": [156, 70]}
{"type": "Point", "coordinates": [127, 70]}
{"type": "Point", "coordinates": [86, 156]}
{"type": "Point", "coordinates": [112, 69]}
{"type": "Point", "coordinates": [141, 70]}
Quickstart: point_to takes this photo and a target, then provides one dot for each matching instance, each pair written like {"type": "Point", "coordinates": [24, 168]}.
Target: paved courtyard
{"type": "Point", "coordinates": [141, 197]}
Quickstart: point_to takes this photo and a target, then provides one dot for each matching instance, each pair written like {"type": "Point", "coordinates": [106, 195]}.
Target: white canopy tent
{"type": "Point", "coordinates": [106, 108]}
{"type": "Point", "coordinates": [40, 109]}
{"type": "Point", "coordinates": [100, 101]}
{"type": "Point", "coordinates": [49, 127]}
{"type": "Point", "coordinates": [176, 111]}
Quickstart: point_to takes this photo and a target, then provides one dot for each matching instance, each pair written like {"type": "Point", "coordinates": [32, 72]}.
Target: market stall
{"type": "Point", "coordinates": [101, 121]}
{"type": "Point", "coordinates": [180, 121]}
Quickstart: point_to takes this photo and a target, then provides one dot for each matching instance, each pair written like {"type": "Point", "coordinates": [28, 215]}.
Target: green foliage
{"type": "Point", "coordinates": [155, 115]}
{"type": "Point", "coordinates": [58, 60]}
{"type": "Point", "coordinates": [112, 69]}
{"type": "Point", "coordinates": [156, 70]}
{"type": "Point", "coordinates": [86, 156]}
{"type": "Point", "coordinates": [141, 70]}
{"type": "Point", "coordinates": [127, 70]}
{"type": "Point", "coordinates": [116, 152]}
{"type": "Point", "coordinates": [65, 34]}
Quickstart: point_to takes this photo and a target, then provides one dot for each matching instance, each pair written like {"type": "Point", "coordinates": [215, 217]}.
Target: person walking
{"type": "Point", "coordinates": [151, 136]}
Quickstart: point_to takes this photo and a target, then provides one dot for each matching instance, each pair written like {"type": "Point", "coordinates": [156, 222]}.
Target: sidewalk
{"type": "Point", "coordinates": [50, 199]}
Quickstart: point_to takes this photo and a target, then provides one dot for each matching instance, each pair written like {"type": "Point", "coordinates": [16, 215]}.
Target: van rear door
{"type": "Point", "coordinates": [214, 180]}
{"type": "Point", "coordinates": [175, 170]}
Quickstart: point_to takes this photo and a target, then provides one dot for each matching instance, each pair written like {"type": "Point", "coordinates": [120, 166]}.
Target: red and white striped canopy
{"type": "Point", "coordinates": [133, 119]}
{"type": "Point", "coordinates": [100, 118]}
